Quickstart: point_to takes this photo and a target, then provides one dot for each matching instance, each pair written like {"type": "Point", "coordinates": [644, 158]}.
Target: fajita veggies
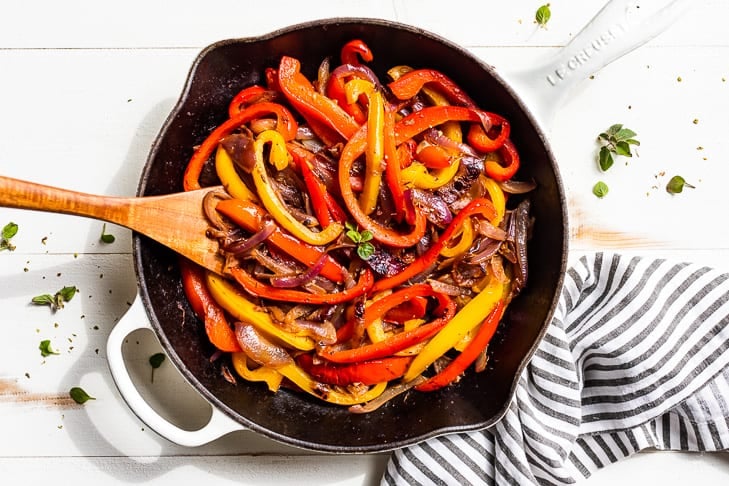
{"type": "Point", "coordinates": [373, 231]}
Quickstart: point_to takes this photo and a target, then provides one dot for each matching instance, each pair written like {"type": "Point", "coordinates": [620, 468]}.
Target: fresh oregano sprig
{"type": "Point", "coordinates": [616, 141]}
{"type": "Point", "coordinates": [362, 239]}
{"type": "Point", "coordinates": [57, 300]}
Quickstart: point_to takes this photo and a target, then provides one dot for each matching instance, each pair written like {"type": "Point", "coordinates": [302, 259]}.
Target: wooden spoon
{"type": "Point", "coordinates": [175, 220]}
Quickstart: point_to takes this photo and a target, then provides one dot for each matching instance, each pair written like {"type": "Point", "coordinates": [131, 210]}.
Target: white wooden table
{"type": "Point", "coordinates": [86, 85]}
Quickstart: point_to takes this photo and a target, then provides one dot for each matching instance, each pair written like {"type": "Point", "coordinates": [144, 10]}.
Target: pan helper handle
{"type": "Point", "coordinates": [618, 28]}
{"type": "Point", "coordinates": [219, 423]}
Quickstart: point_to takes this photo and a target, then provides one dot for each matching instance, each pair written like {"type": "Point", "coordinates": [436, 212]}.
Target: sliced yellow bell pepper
{"type": "Point", "coordinates": [463, 244]}
{"type": "Point", "coordinates": [325, 392]}
{"type": "Point", "coordinates": [279, 157]}
{"type": "Point", "coordinates": [497, 197]}
{"type": "Point", "coordinates": [237, 305]}
{"type": "Point", "coordinates": [375, 152]}
{"type": "Point", "coordinates": [270, 376]}
{"type": "Point", "coordinates": [470, 316]}
{"type": "Point", "coordinates": [417, 175]}
{"type": "Point", "coordinates": [225, 168]}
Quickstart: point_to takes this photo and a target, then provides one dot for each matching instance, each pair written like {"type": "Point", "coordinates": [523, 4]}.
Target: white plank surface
{"type": "Point", "coordinates": [86, 85]}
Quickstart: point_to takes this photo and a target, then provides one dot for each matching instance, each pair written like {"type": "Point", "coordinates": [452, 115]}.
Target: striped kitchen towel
{"type": "Point", "coordinates": [636, 357]}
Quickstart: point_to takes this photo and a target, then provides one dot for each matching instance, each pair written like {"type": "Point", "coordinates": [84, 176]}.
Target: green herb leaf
{"type": "Point", "coordinates": [623, 148]}
{"type": "Point", "coordinates": [79, 395]}
{"type": "Point", "coordinates": [9, 230]}
{"type": "Point", "coordinates": [67, 293]}
{"type": "Point", "coordinates": [606, 158]}
{"type": "Point", "coordinates": [600, 189]}
{"type": "Point", "coordinates": [45, 348]}
{"type": "Point", "coordinates": [676, 185]}
{"type": "Point", "coordinates": [625, 134]}
{"type": "Point", "coordinates": [155, 361]}
{"type": "Point", "coordinates": [105, 237]}
{"type": "Point", "coordinates": [544, 13]}
{"type": "Point", "coordinates": [614, 129]}
{"type": "Point", "coordinates": [365, 250]}
{"type": "Point", "coordinates": [43, 299]}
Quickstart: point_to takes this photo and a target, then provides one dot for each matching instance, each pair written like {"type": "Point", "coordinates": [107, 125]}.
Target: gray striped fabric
{"type": "Point", "coordinates": [636, 357]}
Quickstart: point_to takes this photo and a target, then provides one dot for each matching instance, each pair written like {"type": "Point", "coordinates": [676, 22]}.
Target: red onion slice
{"type": "Point", "coordinates": [302, 278]}
{"type": "Point", "coordinates": [243, 246]}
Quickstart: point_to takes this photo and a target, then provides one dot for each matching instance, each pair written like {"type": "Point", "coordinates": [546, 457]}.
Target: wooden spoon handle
{"type": "Point", "coordinates": [16, 193]}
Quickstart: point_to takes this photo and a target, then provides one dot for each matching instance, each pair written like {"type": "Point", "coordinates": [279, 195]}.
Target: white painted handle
{"type": "Point", "coordinates": [620, 27]}
{"type": "Point", "coordinates": [219, 424]}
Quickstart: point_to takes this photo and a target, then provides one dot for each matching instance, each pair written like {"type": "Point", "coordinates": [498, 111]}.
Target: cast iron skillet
{"type": "Point", "coordinates": [477, 401]}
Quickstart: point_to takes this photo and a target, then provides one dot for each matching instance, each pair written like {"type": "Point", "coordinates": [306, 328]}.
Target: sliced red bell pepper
{"type": "Point", "coordinates": [354, 50]}
{"type": "Point", "coordinates": [259, 289]}
{"type": "Point", "coordinates": [367, 372]}
{"type": "Point", "coordinates": [217, 328]}
{"type": "Point", "coordinates": [352, 150]}
{"type": "Point", "coordinates": [432, 116]}
{"type": "Point", "coordinates": [285, 124]}
{"type": "Point", "coordinates": [414, 308]}
{"type": "Point", "coordinates": [511, 159]}
{"type": "Point", "coordinates": [317, 193]}
{"type": "Point", "coordinates": [251, 217]}
{"type": "Point", "coordinates": [476, 206]}
{"type": "Point", "coordinates": [244, 98]}
{"type": "Point", "coordinates": [311, 104]}
{"type": "Point", "coordinates": [459, 364]}
{"type": "Point", "coordinates": [391, 345]}
{"type": "Point", "coordinates": [380, 307]}
{"type": "Point", "coordinates": [410, 84]}
{"type": "Point", "coordinates": [478, 138]}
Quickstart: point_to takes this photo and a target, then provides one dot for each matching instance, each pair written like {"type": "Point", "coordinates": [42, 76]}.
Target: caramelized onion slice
{"type": "Point", "coordinates": [259, 348]}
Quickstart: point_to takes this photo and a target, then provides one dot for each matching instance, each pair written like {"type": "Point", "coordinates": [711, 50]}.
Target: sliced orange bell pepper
{"type": "Point", "coordinates": [217, 328]}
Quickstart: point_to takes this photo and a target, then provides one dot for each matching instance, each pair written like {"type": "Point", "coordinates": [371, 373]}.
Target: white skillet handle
{"type": "Point", "coordinates": [219, 424]}
{"type": "Point", "coordinates": [620, 27]}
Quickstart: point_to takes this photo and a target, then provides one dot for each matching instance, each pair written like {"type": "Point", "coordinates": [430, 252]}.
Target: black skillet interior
{"type": "Point", "coordinates": [478, 400]}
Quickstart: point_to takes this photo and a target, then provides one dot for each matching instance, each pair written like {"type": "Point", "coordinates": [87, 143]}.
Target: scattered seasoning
{"type": "Point", "coordinates": [46, 349]}
{"type": "Point", "coordinates": [676, 184]}
{"type": "Point", "coordinates": [615, 141]}
{"type": "Point", "coordinates": [679, 79]}
{"type": "Point", "coordinates": [155, 361]}
{"type": "Point", "coordinates": [57, 300]}
{"type": "Point", "coordinates": [544, 13]}
{"type": "Point", "coordinates": [696, 121]}
{"type": "Point", "coordinates": [600, 189]}
{"type": "Point", "coordinates": [79, 395]}
{"type": "Point", "coordinates": [365, 249]}
{"type": "Point", "coordinates": [44, 240]}
{"type": "Point", "coordinates": [9, 230]}
{"type": "Point", "coordinates": [106, 237]}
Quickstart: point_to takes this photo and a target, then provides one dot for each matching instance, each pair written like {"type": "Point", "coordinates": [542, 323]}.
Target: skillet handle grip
{"type": "Point", "coordinates": [219, 424]}
{"type": "Point", "coordinates": [618, 28]}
